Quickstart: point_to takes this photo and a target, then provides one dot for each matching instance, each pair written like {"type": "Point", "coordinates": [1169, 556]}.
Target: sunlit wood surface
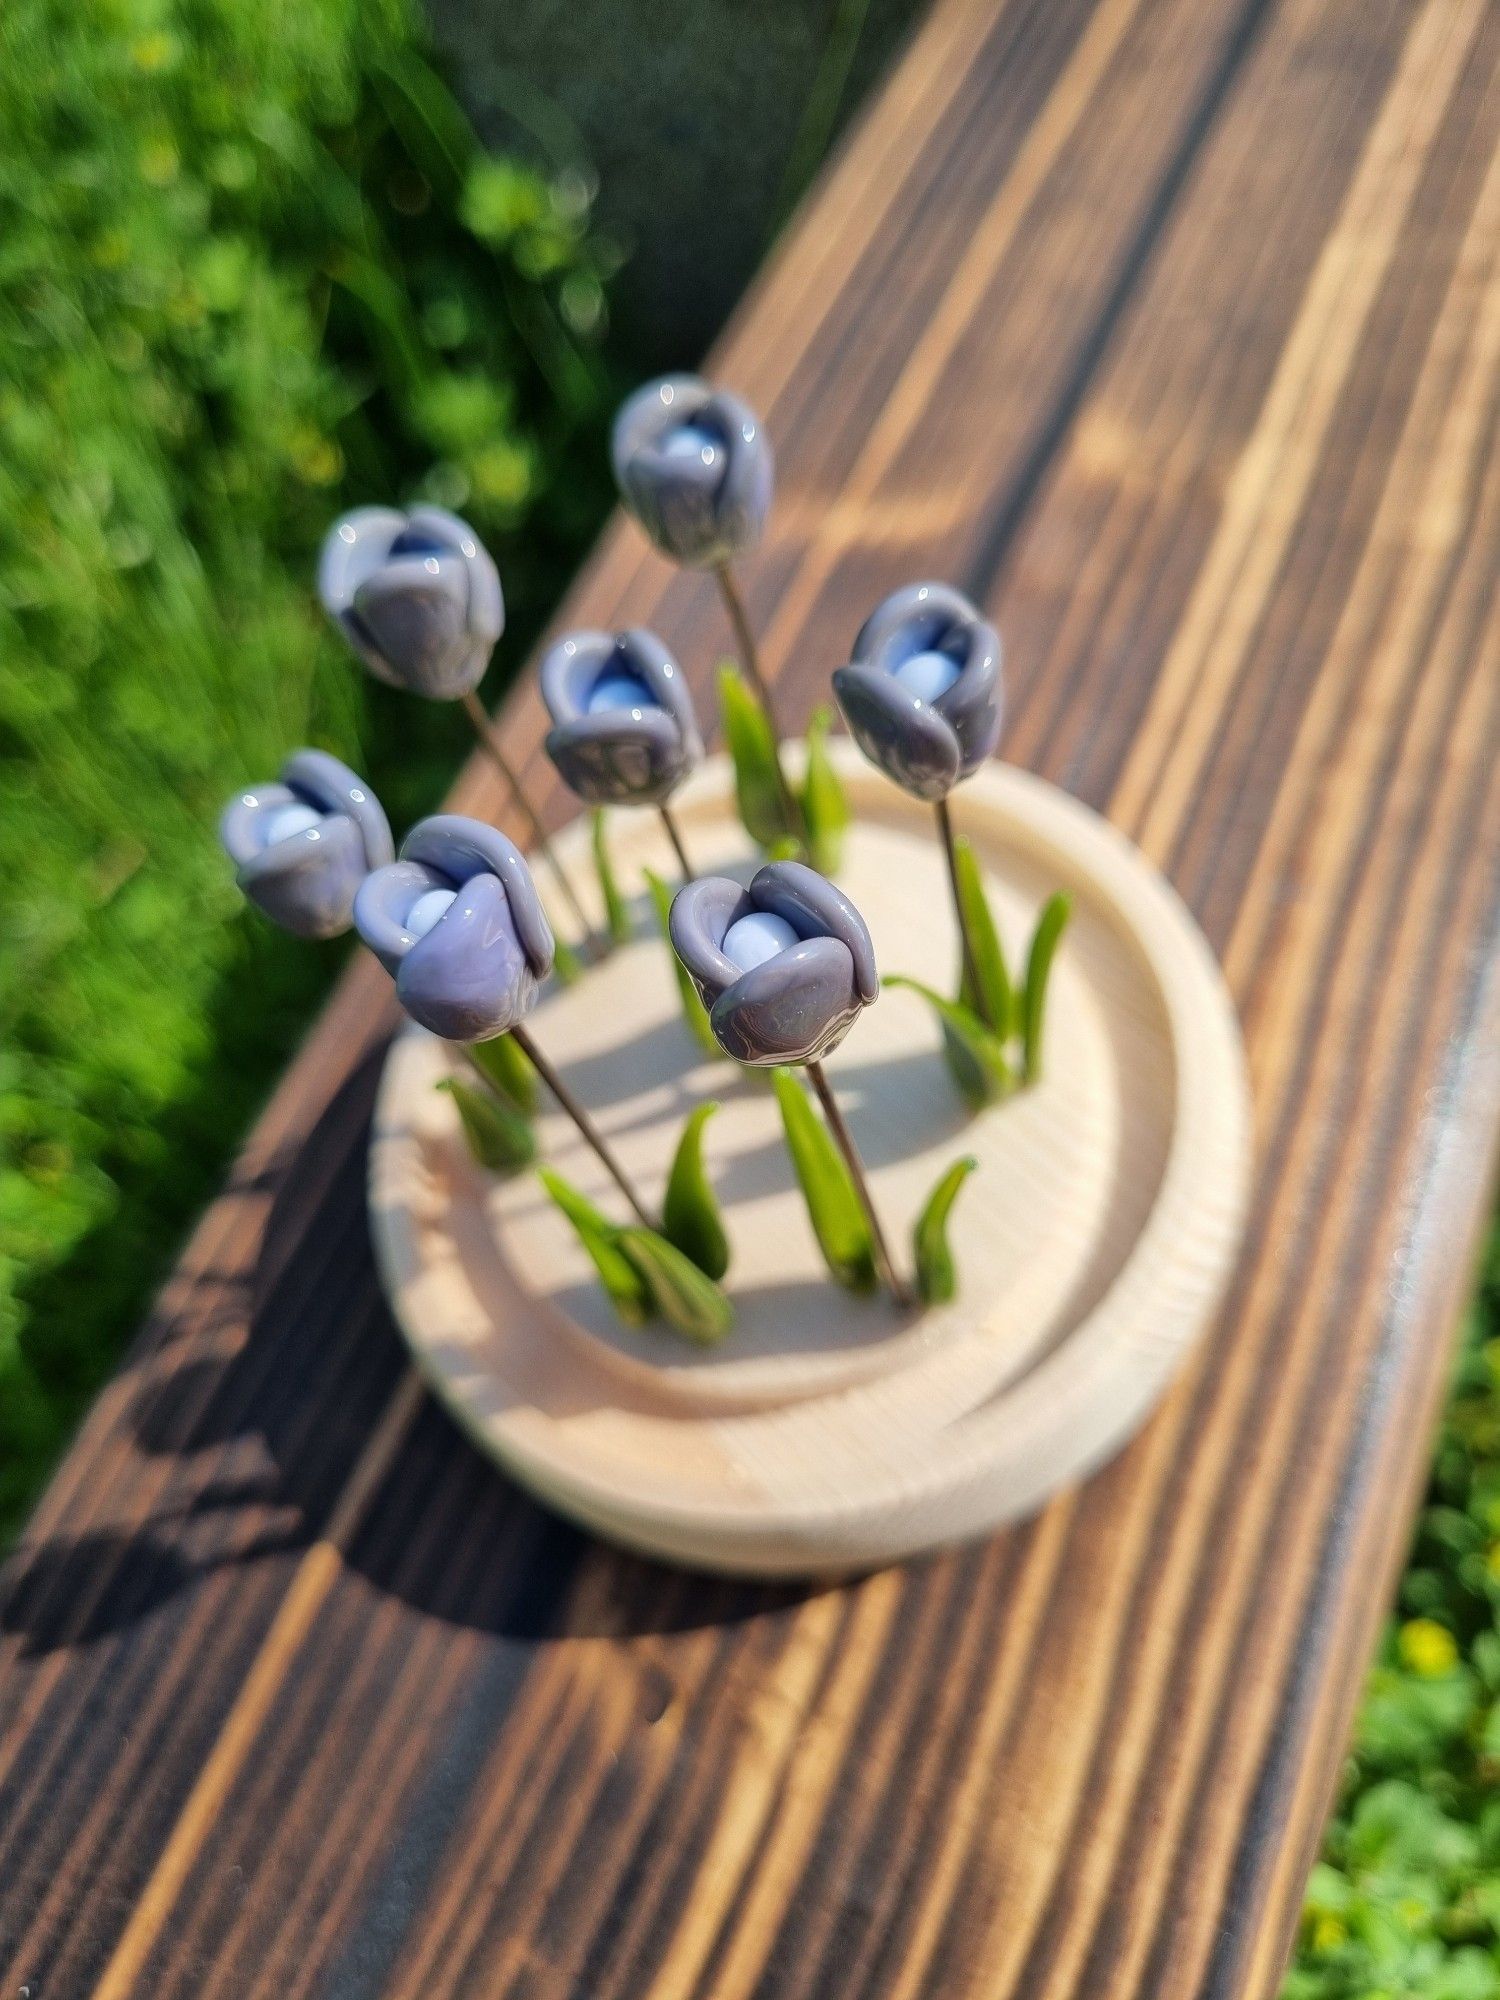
{"type": "Point", "coordinates": [1170, 329]}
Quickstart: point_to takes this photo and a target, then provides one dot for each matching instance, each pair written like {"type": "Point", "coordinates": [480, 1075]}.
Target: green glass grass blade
{"type": "Point", "coordinates": [616, 914]}
{"type": "Point", "coordinates": [499, 1137]}
{"type": "Point", "coordinates": [1050, 926]}
{"type": "Point", "coordinates": [937, 1279]}
{"type": "Point", "coordinates": [690, 1214]}
{"type": "Point", "coordinates": [825, 810]}
{"type": "Point", "coordinates": [995, 1001]}
{"type": "Point", "coordinates": [507, 1071]}
{"type": "Point", "coordinates": [752, 749]}
{"type": "Point", "coordinates": [694, 1011]}
{"type": "Point", "coordinates": [685, 1297]}
{"type": "Point", "coordinates": [566, 963]}
{"type": "Point", "coordinates": [601, 1239]}
{"type": "Point", "coordinates": [976, 1058]}
{"type": "Point", "coordinates": [833, 1205]}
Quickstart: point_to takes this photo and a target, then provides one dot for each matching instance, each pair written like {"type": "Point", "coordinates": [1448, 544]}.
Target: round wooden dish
{"type": "Point", "coordinates": [1092, 1242]}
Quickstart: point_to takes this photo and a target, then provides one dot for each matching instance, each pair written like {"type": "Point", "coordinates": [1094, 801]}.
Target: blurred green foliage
{"type": "Point", "coordinates": [1406, 1900]}
{"type": "Point", "coordinates": [254, 267]}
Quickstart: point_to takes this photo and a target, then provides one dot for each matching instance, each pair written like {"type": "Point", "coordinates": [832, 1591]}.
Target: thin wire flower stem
{"type": "Point", "coordinates": [674, 834]}
{"type": "Point", "coordinates": [586, 1126]}
{"type": "Point", "coordinates": [489, 742]}
{"type": "Point", "coordinates": [844, 1139]}
{"type": "Point", "coordinates": [749, 652]}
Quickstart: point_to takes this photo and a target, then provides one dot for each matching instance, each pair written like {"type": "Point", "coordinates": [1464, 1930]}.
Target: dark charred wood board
{"type": "Point", "coordinates": [1171, 330]}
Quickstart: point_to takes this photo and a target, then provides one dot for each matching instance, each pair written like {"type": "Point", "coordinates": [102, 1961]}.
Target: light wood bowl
{"type": "Point", "coordinates": [1092, 1242]}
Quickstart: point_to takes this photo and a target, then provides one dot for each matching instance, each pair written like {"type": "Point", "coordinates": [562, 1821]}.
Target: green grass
{"type": "Point", "coordinates": [1406, 1900]}
{"type": "Point", "coordinates": [253, 267]}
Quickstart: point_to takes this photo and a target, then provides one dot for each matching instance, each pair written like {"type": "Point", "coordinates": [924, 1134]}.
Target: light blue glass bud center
{"type": "Point", "coordinates": [285, 821]}
{"type": "Point", "coordinates": [756, 938]}
{"type": "Point", "coordinates": [927, 675]}
{"type": "Point", "coordinates": [691, 441]}
{"type": "Point", "coordinates": [427, 911]}
{"type": "Point", "coordinates": [617, 689]}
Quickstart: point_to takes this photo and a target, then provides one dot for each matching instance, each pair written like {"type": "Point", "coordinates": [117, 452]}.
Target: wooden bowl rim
{"type": "Point", "coordinates": [1001, 1457]}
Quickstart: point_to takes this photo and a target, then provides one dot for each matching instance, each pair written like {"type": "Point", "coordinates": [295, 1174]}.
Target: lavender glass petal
{"type": "Point", "coordinates": [624, 729]}
{"type": "Point", "coordinates": [922, 693]}
{"type": "Point", "coordinates": [796, 1004]}
{"type": "Point", "coordinates": [694, 466]}
{"type": "Point", "coordinates": [417, 596]}
{"type": "Point", "coordinates": [458, 924]}
{"type": "Point", "coordinates": [301, 847]}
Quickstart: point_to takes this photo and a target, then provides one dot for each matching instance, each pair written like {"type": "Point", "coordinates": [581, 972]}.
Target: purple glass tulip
{"type": "Point", "coordinates": [302, 846]}
{"type": "Point", "coordinates": [458, 924]}
{"type": "Point", "coordinates": [417, 596]}
{"type": "Point", "coordinates": [624, 731]}
{"type": "Point", "coordinates": [922, 694]}
{"type": "Point", "coordinates": [783, 967]}
{"type": "Point", "coordinates": [694, 466]}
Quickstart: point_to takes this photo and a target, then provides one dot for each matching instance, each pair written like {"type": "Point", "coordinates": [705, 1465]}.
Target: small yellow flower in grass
{"type": "Point", "coordinates": [110, 249]}
{"type": "Point", "coordinates": [153, 52]}
{"type": "Point", "coordinates": [502, 473]}
{"type": "Point", "coordinates": [1427, 1648]}
{"type": "Point", "coordinates": [316, 458]}
{"type": "Point", "coordinates": [1328, 1932]}
{"type": "Point", "coordinates": [158, 161]}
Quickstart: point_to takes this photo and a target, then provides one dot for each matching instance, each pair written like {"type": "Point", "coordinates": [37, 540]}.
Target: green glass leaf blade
{"type": "Point", "coordinates": [616, 913]}
{"type": "Point", "coordinates": [685, 1297]}
{"type": "Point", "coordinates": [507, 1071]}
{"type": "Point", "coordinates": [1044, 941]}
{"type": "Point", "coordinates": [752, 750]}
{"type": "Point", "coordinates": [499, 1137]}
{"type": "Point", "coordinates": [694, 1011]}
{"type": "Point", "coordinates": [601, 1239]}
{"type": "Point", "coordinates": [976, 1058]}
{"type": "Point", "coordinates": [833, 1205]}
{"type": "Point", "coordinates": [995, 1001]}
{"type": "Point", "coordinates": [691, 1219]}
{"type": "Point", "coordinates": [937, 1279]}
{"type": "Point", "coordinates": [566, 963]}
{"type": "Point", "coordinates": [825, 810]}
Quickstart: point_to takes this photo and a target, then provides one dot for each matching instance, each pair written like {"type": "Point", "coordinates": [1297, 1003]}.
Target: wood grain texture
{"type": "Point", "coordinates": [1169, 328]}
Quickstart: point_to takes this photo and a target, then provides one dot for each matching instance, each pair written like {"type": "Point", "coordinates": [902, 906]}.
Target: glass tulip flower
{"type": "Point", "coordinates": [624, 731]}
{"type": "Point", "coordinates": [458, 924]}
{"type": "Point", "coordinates": [694, 466]}
{"type": "Point", "coordinates": [783, 967]}
{"type": "Point", "coordinates": [417, 595]}
{"type": "Point", "coordinates": [303, 845]}
{"type": "Point", "coordinates": [922, 693]}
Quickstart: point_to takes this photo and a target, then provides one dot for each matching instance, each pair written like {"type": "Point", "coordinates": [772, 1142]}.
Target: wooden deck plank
{"type": "Point", "coordinates": [1173, 330]}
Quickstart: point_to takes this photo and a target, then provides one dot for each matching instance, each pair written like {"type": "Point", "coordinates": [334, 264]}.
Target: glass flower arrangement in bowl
{"type": "Point", "coordinates": [718, 1234]}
